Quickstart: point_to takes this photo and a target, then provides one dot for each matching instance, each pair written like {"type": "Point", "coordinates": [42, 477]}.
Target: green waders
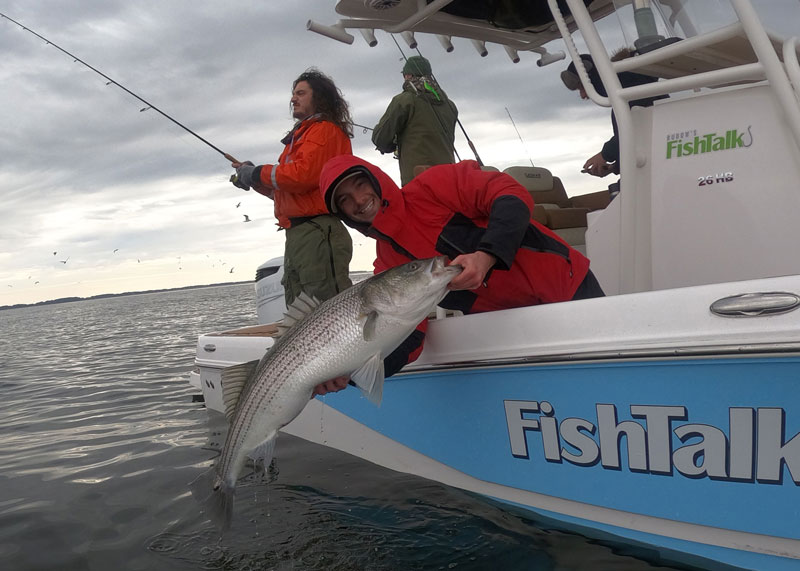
{"type": "Point", "coordinates": [316, 258]}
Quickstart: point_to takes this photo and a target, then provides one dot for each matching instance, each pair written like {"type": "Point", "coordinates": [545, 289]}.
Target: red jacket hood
{"type": "Point", "coordinates": [339, 167]}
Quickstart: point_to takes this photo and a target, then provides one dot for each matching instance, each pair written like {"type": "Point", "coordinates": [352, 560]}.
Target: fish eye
{"type": "Point", "coordinates": [413, 265]}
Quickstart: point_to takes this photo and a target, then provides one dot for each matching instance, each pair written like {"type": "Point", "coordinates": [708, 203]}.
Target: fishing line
{"type": "Point", "coordinates": [518, 135]}
{"type": "Point", "coordinates": [97, 71]}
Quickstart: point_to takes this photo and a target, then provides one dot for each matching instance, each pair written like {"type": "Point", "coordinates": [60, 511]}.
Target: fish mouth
{"type": "Point", "coordinates": [440, 267]}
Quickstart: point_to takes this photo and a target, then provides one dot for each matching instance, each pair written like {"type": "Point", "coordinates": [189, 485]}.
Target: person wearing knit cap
{"type": "Point", "coordinates": [607, 160]}
{"type": "Point", "coordinates": [419, 123]}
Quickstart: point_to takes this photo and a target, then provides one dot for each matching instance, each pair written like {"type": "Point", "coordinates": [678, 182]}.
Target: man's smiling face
{"type": "Point", "coordinates": [356, 199]}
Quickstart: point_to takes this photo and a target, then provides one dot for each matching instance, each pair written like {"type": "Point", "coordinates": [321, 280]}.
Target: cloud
{"type": "Point", "coordinates": [84, 171]}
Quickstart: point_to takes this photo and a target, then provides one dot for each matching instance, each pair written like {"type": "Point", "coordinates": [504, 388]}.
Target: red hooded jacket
{"type": "Point", "coordinates": [459, 209]}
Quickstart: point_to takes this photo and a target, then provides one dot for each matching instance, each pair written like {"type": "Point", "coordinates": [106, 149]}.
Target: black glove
{"type": "Point", "coordinates": [244, 176]}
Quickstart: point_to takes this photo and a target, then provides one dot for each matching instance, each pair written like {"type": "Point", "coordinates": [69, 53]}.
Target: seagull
{"type": "Point", "coordinates": [230, 272]}
{"type": "Point", "coordinates": [64, 261]}
{"type": "Point", "coordinates": [246, 218]}
{"type": "Point", "coordinates": [54, 253]}
{"type": "Point", "coordinates": [36, 282]}
{"type": "Point", "coordinates": [238, 205]}
{"type": "Point", "coordinates": [116, 250]}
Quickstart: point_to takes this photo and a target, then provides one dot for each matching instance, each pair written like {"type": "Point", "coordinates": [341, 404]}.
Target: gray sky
{"type": "Point", "coordinates": [83, 172]}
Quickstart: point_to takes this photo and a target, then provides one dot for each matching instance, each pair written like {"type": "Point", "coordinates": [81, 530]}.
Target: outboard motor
{"type": "Point", "coordinates": [270, 299]}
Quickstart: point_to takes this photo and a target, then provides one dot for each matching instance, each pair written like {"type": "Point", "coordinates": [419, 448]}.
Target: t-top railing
{"type": "Point", "coordinates": [782, 78]}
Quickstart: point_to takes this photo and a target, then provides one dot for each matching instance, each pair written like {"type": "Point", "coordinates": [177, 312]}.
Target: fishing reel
{"type": "Point", "coordinates": [237, 183]}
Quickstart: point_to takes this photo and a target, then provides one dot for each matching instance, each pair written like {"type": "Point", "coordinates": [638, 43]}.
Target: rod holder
{"type": "Point", "coordinates": [480, 47]}
{"type": "Point", "coordinates": [409, 38]}
{"type": "Point", "coordinates": [512, 54]}
{"type": "Point", "coordinates": [546, 58]}
{"type": "Point", "coordinates": [446, 43]}
{"type": "Point", "coordinates": [335, 32]}
{"type": "Point", "coordinates": [369, 37]}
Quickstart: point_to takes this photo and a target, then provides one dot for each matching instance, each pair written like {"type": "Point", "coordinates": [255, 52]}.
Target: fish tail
{"type": "Point", "coordinates": [214, 497]}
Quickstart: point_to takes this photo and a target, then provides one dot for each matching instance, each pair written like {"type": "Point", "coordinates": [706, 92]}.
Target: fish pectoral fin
{"type": "Point", "coordinates": [265, 450]}
{"type": "Point", "coordinates": [369, 325]}
{"type": "Point", "coordinates": [369, 378]}
{"type": "Point", "coordinates": [234, 379]}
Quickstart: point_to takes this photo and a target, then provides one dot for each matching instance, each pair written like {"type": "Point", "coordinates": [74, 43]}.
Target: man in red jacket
{"type": "Point", "coordinates": [318, 247]}
{"type": "Point", "coordinates": [480, 220]}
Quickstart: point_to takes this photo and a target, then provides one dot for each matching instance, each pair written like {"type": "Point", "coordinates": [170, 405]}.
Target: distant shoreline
{"type": "Point", "coordinates": [105, 295]}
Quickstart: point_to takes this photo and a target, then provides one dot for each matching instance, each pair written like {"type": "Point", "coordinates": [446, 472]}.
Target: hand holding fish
{"type": "Point", "coordinates": [476, 265]}
{"type": "Point", "coordinates": [331, 386]}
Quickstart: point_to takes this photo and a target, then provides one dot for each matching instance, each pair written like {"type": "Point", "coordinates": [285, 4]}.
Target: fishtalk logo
{"type": "Point", "coordinates": [708, 143]}
{"type": "Point", "coordinates": [755, 446]}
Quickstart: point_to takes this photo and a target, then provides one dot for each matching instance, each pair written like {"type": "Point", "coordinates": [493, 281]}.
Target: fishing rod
{"type": "Point", "coordinates": [469, 141]}
{"type": "Point", "coordinates": [518, 135]}
{"type": "Point", "coordinates": [463, 130]}
{"type": "Point", "coordinates": [149, 105]}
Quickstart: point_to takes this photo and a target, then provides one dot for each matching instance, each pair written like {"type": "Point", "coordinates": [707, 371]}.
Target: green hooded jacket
{"type": "Point", "coordinates": [420, 126]}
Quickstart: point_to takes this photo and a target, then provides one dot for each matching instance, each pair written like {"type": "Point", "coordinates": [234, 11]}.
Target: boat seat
{"type": "Point", "coordinates": [551, 204]}
{"type": "Point", "coordinates": [593, 201]}
{"type": "Point", "coordinates": [541, 185]}
{"type": "Point", "coordinates": [552, 207]}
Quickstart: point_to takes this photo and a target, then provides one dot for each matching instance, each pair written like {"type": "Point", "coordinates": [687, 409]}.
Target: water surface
{"type": "Point", "coordinates": [100, 437]}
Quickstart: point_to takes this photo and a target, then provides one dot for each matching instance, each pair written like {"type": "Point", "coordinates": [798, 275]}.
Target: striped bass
{"type": "Point", "coordinates": [349, 334]}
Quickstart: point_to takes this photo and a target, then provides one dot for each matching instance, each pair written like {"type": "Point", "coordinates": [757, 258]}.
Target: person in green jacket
{"type": "Point", "coordinates": [419, 124]}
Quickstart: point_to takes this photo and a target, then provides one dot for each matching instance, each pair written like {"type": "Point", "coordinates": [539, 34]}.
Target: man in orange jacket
{"type": "Point", "coordinates": [318, 247]}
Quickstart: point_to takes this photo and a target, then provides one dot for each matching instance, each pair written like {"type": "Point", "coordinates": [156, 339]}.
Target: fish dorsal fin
{"type": "Point", "coordinates": [369, 325]}
{"type": "Point", "coordinates": [302, 305]}
{"type": "Point", "coordinates": [369, 378]}
{"type": "Point", "coordinates": [234, 379]}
